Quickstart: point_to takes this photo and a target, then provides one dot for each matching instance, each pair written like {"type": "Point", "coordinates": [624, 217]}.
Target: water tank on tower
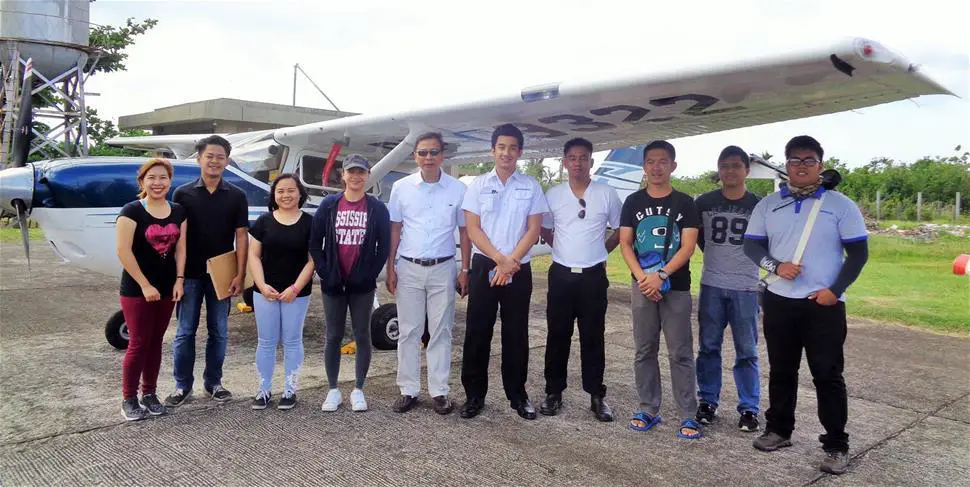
{"type": "Point", "coordinates": [54, 36]}
{"type": "Point", "coordinates": [54, 33]}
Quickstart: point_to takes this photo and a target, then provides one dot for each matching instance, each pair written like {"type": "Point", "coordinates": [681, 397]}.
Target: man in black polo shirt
{"type": "Point", "coordinates": [218, 216]}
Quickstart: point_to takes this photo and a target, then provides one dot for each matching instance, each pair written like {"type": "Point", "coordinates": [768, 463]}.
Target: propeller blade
{"type": "Point", "coordinates": [22, 223]}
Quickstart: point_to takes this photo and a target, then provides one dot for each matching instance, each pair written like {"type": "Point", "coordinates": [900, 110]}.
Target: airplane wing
{"type": "Point", "coordinates": [627, 111]}
{"type": "Point", "coordinates": [182, 145]}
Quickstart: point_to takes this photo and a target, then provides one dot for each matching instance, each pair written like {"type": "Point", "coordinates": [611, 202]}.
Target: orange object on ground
{"type": "Point", "coordinates": [960, 264]}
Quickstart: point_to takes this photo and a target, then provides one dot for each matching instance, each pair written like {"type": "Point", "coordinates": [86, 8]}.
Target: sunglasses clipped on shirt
{"type": "Point", "coordinates": [427, 152]}
{"type": "Point", "coordinates": [582, 213]}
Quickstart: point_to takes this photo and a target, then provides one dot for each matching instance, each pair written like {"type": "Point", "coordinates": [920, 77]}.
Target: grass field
{"type": "Point", "coordinates": [904, 282]}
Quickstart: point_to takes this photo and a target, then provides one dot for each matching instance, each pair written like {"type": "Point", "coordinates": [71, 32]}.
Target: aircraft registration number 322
{"type": "Point", "coordinates": [553, 126]}
{"type": "Point", "coordinates": [581, 123]}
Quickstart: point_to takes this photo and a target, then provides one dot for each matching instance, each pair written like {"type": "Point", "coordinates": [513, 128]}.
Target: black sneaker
{"type": "Point", "coordinates": [217, 393]}
{"type": "Point", "coordinates": [151, 403]}
{"type": "Point", "coordinates": [132, 410]}
{"type": "Point", "coordinates": [705, 413]}
{"type": "Point", "coordinates": [287, 401]}
{"type": "Point", "coordinates": [748, 422]}
{"type": "Point", "coordinates": [178, 397]}
{"type": "Point", "coordinates": [262, 400]}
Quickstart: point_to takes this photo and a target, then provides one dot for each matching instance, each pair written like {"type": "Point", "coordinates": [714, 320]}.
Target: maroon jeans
{"type": "Point", "coordinates": [147, 323]}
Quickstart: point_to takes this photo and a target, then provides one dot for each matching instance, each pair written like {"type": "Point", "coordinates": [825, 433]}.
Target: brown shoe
{"type": "Point", "coordinates": [404, 404]}
{"type": "Point", "coordinates": [442, 405]}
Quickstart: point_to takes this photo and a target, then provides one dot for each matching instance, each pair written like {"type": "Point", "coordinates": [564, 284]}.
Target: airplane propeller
{"type": "Point", "coordinates": [22, 223]}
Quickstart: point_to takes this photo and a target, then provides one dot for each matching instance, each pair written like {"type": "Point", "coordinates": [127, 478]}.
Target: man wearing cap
{"type": "Point", "coordinates": [425, 210]}
{"type": "Point", "coordinates": [804, 302]}
{"type": "Point", "coordinates": [503, 212]}
{"type": "Point", "coordinates": [579, 213]}
{"type": "Point", "coordinates": [349, 243]}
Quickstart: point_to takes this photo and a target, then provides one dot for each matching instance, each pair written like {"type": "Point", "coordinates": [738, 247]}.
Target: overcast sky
{"type": "Point", "coordinates": [374, 56]}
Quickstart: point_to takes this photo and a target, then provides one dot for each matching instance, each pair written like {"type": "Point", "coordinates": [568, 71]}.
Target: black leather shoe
{"type": "Point", "coordinates": [552, 405]}
{"type": "Point", "coordinates": [525, 408]}
{"type": "Point", "coordinates": [602, 411]}
{"type": "Point", "coordinates": [472, 407]}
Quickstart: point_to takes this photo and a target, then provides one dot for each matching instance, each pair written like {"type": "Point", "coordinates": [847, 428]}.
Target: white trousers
{"type": "Point", "coordinates": [425, 292]}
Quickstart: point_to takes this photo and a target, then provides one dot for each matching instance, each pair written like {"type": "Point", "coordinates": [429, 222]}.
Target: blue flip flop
{"type": "Point", "coordinates": [647, 420]}
{"type": "Point", "coordinates": [690, 424]}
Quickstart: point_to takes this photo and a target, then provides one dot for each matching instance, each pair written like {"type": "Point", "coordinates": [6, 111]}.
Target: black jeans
{"type": "Point", "coordinates": [789, 326]}
{"type": "Point", "coordinates": [483, 305]}
{"type": "Point", "coordinates": [576, 297]}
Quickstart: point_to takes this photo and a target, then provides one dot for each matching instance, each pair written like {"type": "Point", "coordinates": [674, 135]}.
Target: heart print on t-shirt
{"type": "Point", "coordinates": [162, 239]}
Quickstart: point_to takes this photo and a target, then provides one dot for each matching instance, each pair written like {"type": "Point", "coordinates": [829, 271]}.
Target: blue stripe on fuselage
{"type": "Point", "coordinates": [112, 184]}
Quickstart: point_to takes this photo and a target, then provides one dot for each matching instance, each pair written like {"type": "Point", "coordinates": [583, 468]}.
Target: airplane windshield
{"type": "Point", "coordinates": [260, 160]}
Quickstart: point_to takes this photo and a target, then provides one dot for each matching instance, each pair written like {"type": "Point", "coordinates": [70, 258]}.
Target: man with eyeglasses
{"type": "Point", "coordinates": [425, 210]}
{"type": "Point", "coordinates": [729, 292]}
{"type": "Point", "coordinates": [804, 302]}
{"type": "Point", "coordinates": [579, 213]}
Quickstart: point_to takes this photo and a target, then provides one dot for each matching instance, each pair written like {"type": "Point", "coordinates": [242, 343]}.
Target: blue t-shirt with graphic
{"type": "Point", "coordinates": [648, 217]}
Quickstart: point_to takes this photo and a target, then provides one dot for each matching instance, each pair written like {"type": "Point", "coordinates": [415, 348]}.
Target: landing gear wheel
{"type": "Point", "coordinates": [384, 329]}
{"type": "Point", "coordinates": [116, 331]}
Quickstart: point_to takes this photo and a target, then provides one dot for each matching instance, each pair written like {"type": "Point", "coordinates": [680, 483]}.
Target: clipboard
{"type": "Point", "coordinates": [222, 270]}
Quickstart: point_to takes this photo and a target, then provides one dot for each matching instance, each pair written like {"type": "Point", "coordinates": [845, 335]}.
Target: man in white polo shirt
{"type": "Point", "coordinates": [425, 209]}
{"type": "Point", "coordinates": [804, 303]}
{"type": "Point", "coordinates": [579, 213]}
{"type": "Point", "coordinates": [503, 211]}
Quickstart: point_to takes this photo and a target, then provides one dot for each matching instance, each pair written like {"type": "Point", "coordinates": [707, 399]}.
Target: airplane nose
{"type": "Point", "coordinates": [16, 184]}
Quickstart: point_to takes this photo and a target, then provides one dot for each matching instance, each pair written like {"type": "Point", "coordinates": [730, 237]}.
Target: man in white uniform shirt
{"type": "Point", "coordinates": [425, 209]}
{"type": "Point", "coordinates": [503, 210]}
{"type": "Point", "coordinates": [580, 211]}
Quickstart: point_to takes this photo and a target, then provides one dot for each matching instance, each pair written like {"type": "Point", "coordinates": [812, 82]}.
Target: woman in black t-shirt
{"type": "Point", "coordinates": [150, 235]}
{"type": "Point", "coordinates": [279, 261]}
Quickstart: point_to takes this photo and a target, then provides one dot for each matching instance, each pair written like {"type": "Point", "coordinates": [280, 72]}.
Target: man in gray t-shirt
{"type": "Point", "coordinates": [729, 292]}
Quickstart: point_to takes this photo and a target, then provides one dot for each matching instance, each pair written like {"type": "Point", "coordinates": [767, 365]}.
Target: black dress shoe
{"type": "Point", "coordinates": [552, 405]}
{"type": "Point", "coordinates": [525, 408]}
{"type": "Point", "coordinates": [602, 411]}
{"type": "Point", "coordinates": [471, 408]}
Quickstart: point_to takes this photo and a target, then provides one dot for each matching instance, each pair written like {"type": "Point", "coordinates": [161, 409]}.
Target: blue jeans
{"type": "Point", "coordinates": [217, 322]}
{"type": "Point", "coordinates": [273, 320]}
{"type": "Point", "coordinates": [716, 308]}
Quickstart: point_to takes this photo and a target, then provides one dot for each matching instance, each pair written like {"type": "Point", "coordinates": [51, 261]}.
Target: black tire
{"type": "Point", "coordinates": [248, 296]}
{"type": "Point", "coordinates": [116, 331]}
{"type": "Point", "coordinates": [383, 327]}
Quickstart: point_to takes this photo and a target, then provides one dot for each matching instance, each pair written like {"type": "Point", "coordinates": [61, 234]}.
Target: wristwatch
{"type": "Point", "coordinates": [464, 270]}
{"type": "Point", "coordinates": [662, 274]}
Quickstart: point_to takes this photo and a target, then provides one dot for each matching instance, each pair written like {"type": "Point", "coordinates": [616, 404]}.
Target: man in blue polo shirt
{"type": "Point", "coordinates": [804, 303]}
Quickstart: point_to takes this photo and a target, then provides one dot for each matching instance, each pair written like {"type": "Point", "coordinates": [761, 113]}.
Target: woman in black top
{"type": "Point", "coordinates": [279, 261]}
{"type": "Point", "coordinates": [151, 246]}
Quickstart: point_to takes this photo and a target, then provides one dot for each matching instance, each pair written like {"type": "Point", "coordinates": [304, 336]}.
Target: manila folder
{"type": "Point", "coordinates": [222, 270]}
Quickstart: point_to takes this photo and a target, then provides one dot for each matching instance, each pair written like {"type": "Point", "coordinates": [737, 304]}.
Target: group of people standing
{"type": "Point", "coordinates": [499, 217]}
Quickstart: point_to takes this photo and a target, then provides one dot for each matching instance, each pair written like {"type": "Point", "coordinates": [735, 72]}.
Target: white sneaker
{"type": "Point", "coordinates": [357, 401]}
{"type": "Point", "coordinates": [334, 398]}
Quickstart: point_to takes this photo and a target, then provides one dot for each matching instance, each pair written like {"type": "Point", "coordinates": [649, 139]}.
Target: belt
{"type": "Point", "coordinates": [428, 262]}
{"type": "Point", "coordinates": [581, 270]}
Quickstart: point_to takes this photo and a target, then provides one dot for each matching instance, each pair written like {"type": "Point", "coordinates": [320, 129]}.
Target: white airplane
{"type": "Point", "coordinates": [75, 201]}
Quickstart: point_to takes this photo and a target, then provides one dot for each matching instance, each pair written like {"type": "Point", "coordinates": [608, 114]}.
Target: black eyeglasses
{"type": "Point", "coordinates": [808, 161]}
{"type": "Point", "coordinates": [425, 152]}
{"type": "Point", "coordinates": [582, 213]}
